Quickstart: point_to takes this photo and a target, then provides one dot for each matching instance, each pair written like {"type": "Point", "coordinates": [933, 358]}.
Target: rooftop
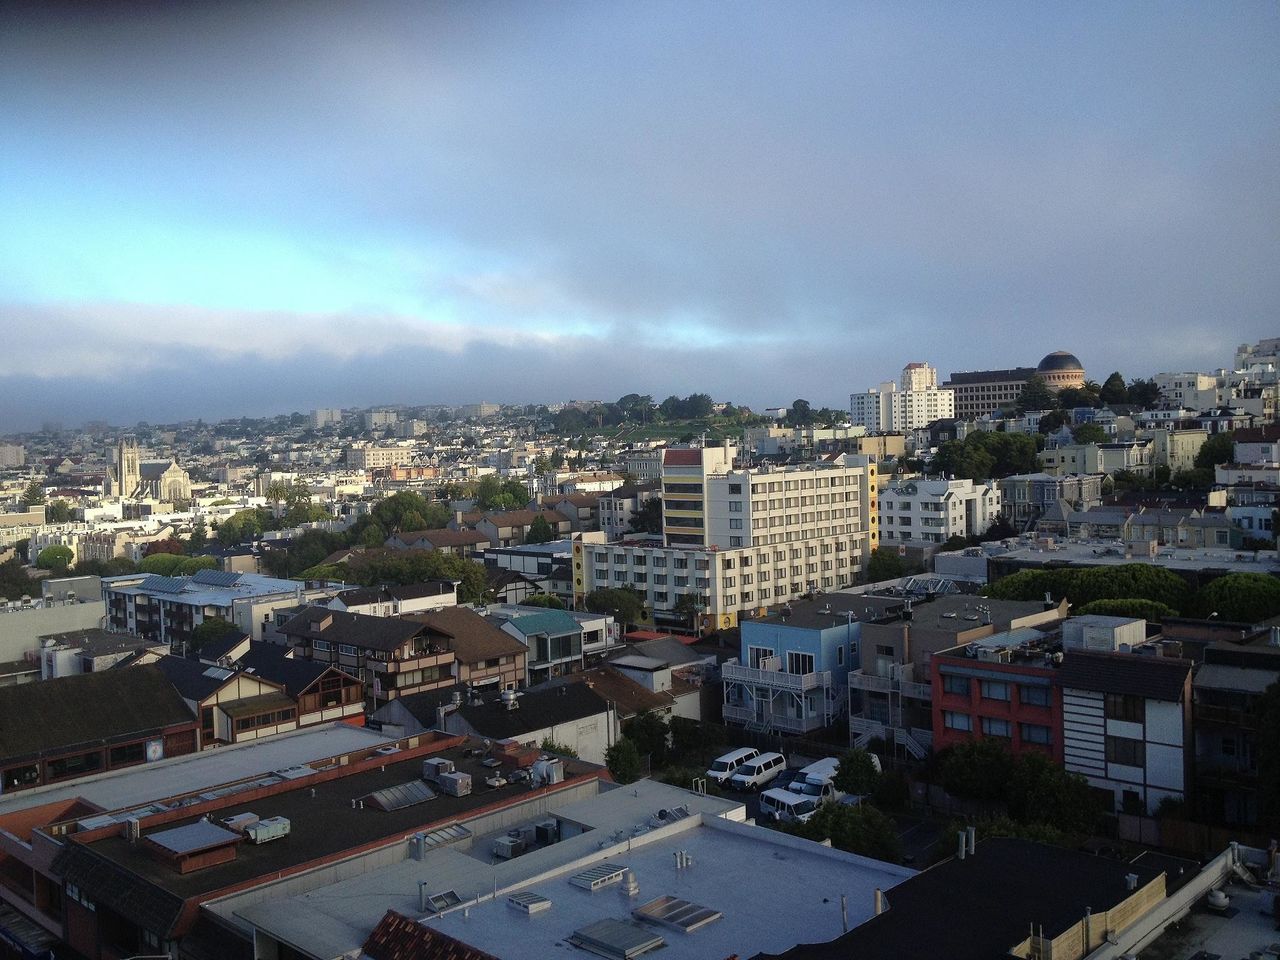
{"type": "Point", "coordinates": [619, 826]}
{"type": "Point", "coordinates": [209, 587]}
{"type": "Point", "coordinates": [1104, 553]}
{"type": "Point", "coordinates": [1143, 675]}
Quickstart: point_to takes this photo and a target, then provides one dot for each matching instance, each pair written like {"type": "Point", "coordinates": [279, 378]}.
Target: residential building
{"type": "Point", "coordinates": [618, 508]}
{"type": "Point", "coordinates": [1126, 726]}
{"type": "Point", "coordinates": [1194, 391]}
{"type": "Point", "coordinates": [378, 419]}
{"type": "Point", "coordinates": [1024, 498]}
{"type": "Point", "coordinates": [168, 609]}
{"type": "Point", "coordinates": [1174, 447]}
{"type": "Point", "coordinates": [1227, 694]}
{"type": "Point", "coordinates": [933, 511]}
{"type": "Point", "coordinates": [72, 727]}
{"type": "Point", "coordinates": [392, 656]}
{"type": "Point", "coordinates": [368, 457]}
{"type": "Point", "coordinates": [791, 675]}
{"type": "Point", "coordinates": [325, 417]}
{"type": "Point", "coordinates": [397, 600]}
{"type": "Point", "coordinates": [469, 544]}
{"type": "Point", "coordinates": [553, 639]}
{"type": "Point", "coordinates": [1257, 444]}
{"type": "Point", "coordinates": [88, 651]}
{"type": "Point", "coordinates": [1003, 688]}
{"type": "Point", "coordinates": [572, 715]}
{"type": "Point", "coordinates": [642, 466]}
{"type": "Point", "coordinates": [321, 692]}
{"type": "Point", "coordinates": [891, 691]}
{"type": "Point", "coordinates": [685, 473]}
{"type": "Point", "coordinates": [12, 455]}
{"type": "Point", "coordinates": [233, 705]}
{"type": "Point", "coordinates": [483, 655]}
{"type": "Point", "coordinates": [582, 509]}
{"type": "Point", "coordinates": [902, 407]}
{"type": "Point", "coordinates": [1105, 458]}
{"type": "Point", "coordinates": [511, 527]}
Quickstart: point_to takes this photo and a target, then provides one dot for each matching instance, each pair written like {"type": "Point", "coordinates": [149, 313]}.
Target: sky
{"type": "Point", "coordinates": [219, 209]}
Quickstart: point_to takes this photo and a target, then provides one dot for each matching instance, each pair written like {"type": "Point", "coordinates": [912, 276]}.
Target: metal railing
{"type": "Point", "coordinates": [866, 681]}
{"type": "Point", "coordinates": [776, 679]}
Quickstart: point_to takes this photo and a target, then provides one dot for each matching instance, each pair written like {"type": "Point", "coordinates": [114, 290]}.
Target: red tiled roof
{"type": "Point", "coordinates": [682, 458]}
{"type": "Point", "coordinates": [396, 937]}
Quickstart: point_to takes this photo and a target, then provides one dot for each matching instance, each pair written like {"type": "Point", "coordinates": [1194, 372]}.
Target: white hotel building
{"type": "Point", "coordinates": [914, 402]}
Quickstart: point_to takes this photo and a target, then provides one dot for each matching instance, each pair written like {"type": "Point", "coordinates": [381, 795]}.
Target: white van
{"type": "Point", "coordinates": [722, 768]}
{"type": "Point", "coordinates": [816, 781]}
{"type": "Point", "coordinates": [757, 772]}
{"type": "Point", "coordinates": [787, 807]}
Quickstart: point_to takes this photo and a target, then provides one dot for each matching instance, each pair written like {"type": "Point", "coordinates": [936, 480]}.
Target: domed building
{"type": "Point", "coordinates": [1060, 370]}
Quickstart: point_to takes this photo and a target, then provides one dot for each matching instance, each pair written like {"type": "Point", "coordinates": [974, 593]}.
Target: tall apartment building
{"type": "Point", "coordinates": [325, 416]}
{"type": "Point", "coordinates": [743, 539]}
{"type": "Point", "coordinates": [913, 402]}
{"type": "Point", "coordinates": [377, 458]}
{"type": "Point", "coordinates": [376, 419]}
{"type": "Point", "coordinates": [12, 455]}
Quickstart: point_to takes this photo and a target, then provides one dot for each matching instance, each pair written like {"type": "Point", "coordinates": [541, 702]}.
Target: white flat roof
{"type": "Point", "coordinates": [197, 771]}
{"type": "Point", "coordinates": [774, 890]}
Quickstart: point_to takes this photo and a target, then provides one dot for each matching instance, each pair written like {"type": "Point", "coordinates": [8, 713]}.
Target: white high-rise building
{"type": "Point", "coordinates": [913, 402]}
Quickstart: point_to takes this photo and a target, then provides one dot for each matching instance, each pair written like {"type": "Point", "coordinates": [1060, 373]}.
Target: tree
{"type": "Point", "coordinates": [626, 606]}
{"type": "Point", "coordinates": [115, 567]}
{"type": "Point", "coordinates": [978, 770]}
{"type": "Point", "coordinates": [416, 566]}
{"type": "Point", "coordinates": [623, 761]}
{"type": "Point", "coordinates": [1089, 433]}
{"type": "Point", "coordinates": [1127, 607]}
{"type": "Point", "coordinates": [539, 531]}
{"type": "Point", "coordinates": [800, 414]}
{"type": "Point", "coordinates": [549, 600]}
{"type": "Point", "coordinates": [860, 829]}
{"type": "Point", "coordinates": [885, 564]}
{"type": "Point", "coordinates": [1052, 422]}
{"type": "Point", "coordinates": [494, 493]}
{"type": "Point", "coordinates": [211, 628]}
{"type": "Point", "coordinates": [164, 564]}
{"type": "Point", "coordinates": [167, 545]}
{"type": "Point", "coordinates": [33, 496]}
{"type": "Point", "coordinates": [550, 746]}
{"type": "Point", "coordinates": [1036, 395]}
{"type": "Point", "coordinates": [692, 741]}
{"type": "Point", "coordinates": [199, 535]}
{"type": "Point", "coordinates": [55, 558]}
{"type": "Point", "coordinates": [58, 511]}
{"type": "Point", "coordinates": [1040, 791]}
{"type": "Point", "coordinates": [408, 510]}
{"type": "Point", "coordinates": [1239, 598]}
{"type": "Point", "coordinates": [1143, 394]}
{"type": "Point", "coordinates": [276, 491]}
{"type": "Point", "coordinates": [648, 519]}
{"type": "Point", "coordinates": [650, 733]}
{"type": "Point", "coordinates": [857, 773]}
{"type": "Point", "coordinates": [14, 580]}
{"type": "Point", "coordinates": [190, 565]}
{"type": "Point", "coordinates": [689, 605]}
{"type": "Point", "coordinates": [954, 542]}
{"type": "Point", "coordinates": [1114, 390]}
{"type": "Point", "coordinates": [1000, 529]}
{"type": "Point", "coordinates": [1218, 449]}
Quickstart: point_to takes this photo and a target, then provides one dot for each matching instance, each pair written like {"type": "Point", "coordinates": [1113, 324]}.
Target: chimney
{"type": "Point", "coordinates": [963, 842]}
{"type": "Point", "coordinates": [1131, 881]}
{"type": "Point", "coordinates": [422, 896]}
{"type": "Point", "coordinates": [419, 846]}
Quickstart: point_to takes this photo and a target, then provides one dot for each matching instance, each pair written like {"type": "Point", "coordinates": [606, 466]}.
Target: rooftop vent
{"type": "Point", "coordinates": [601, 875]}
{"type": "Point", "coordinates": [436, 902]}
{"type": "Point", "coordinates": [678, 914]}
{"type": "Point", "coordinates": [616, 939]}
{"type": "Point", "coordinates": [528, 903]}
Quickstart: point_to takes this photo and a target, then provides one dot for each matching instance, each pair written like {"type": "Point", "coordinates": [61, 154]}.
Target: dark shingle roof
{"type": "Point", "coordinates": [357, 629]}
{"type": "Point", "coordinates": [1155, 678]}
{"type": "Point", "coordinates": [45, 718]}
{"type": "Point", "coordinates": [396, 937]}
{"type": "Point", "coordinates": [193, 679]}
{"type": "Point", "coordinates": [537, 710]}
{"type": "Point", "coordinates": [628, 696]}
{"type": "Point", "coordinates": [269, 661]}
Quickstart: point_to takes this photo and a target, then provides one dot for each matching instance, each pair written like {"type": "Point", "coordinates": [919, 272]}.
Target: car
{"type": "Point", "coordinates": [758, 771]}
{"type": "Point", "coordinates": [724, 767]}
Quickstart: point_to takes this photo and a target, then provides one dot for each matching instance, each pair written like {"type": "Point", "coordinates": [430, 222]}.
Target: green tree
{"type": "Point", "coordinates": [211, 628]}
{"type": "Point", "coordinates": [164, 564]}
{"type": "Point", "coordinates": [1217, 449]}
{"type": "Point", "coordinates": [1040, 791]}
{"type": "Point", "coordinates": [800, 414]}
{"type": "Point", "coordinates": [199, 535]}
{"type": "Point", "coordinates": [1127, 581]}
{"type": "Point", "coordinates": [651, 735]}
{"type": "Point", "coordinates": [689, 605]}
{"type": "Point", "coordinates": [954, 542]}
{"type": "Point", "coordinates": [860, 829]}
{"type": "Point", "coordinates": [245, 525]}
{"type": "Point", "coordinates": [1052, 422]}
{"type": "Point", "coordinates": [415, 566]}
{"type": "Point", "coordinates": [190, 565]}
{"type": "Point", "coordinates": [623, 761]}
{"type": "Point", "coordinates": [1148, 610]}
{"type": "Point", "coordinates": [977, 770]}
{"type": "Point", "coordinates": [693, 741]}
{"type": "Point", "coordinates": [334, 572]}
{"type": "Point", "coordinates": [494, 493]}
{"type": "Point", "coordinates": [539, 531]}
{"type": "Point", "coordinates": [276, 491]}
{"type": "Point", "coordinates": [58, 511]}
{"type": "Point", "coordinates": [1114, 390]}
{"type": "Point", "coordinates": [55, 559]}
{"type": "Point", "coordinates": [15, 583]}
{"type": "Point", "coordinates": [406, 511]}
{"type": "Point", "coordinates": [115, 567]}
{"type": "Point", "coordinates": [1089, 433]}
{"type": "Point", "coordinates": [1143, 394]}
{"type": "Point", "coordinates": [626, 606]}
{"type": "Point", "coordinates": [1239, 598]}
{"type": "Point", "coordinates": [549, 600]}
{"type": "Point", "coordinates": [33, 496]}
{"type": "Point", "coordinates": [857, 773]}
{"type": "Point", "coordinates": [550, 746]}
{"type": "Point", "coordinates": [648, 519]}
{"type": "Point", "coordinates": [1036, 395]}
{"type": "Point", "coordinates": [885, 564]}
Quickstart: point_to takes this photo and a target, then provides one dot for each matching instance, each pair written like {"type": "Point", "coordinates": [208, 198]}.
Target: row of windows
{"type": "Point", "coordinates": [1033, 696]}
{"type": "Point", "coordinates": [997, 727]}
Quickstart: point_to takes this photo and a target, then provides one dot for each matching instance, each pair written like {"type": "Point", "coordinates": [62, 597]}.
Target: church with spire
{"type": "Point", "coordinates": [133, 478]}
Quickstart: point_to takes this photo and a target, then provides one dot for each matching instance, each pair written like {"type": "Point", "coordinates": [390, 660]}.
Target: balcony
{"type": "Point", "coordinates": [866, 681]}
{"type": "Point", "coordinates": [917, 691]}
{"type": "Point", "coordinates": [735, 713]}
{"type": "Point", "coordinates": [775, 679]}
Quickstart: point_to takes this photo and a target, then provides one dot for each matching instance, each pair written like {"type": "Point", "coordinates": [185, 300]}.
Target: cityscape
{"type": "Point", "coordinates": [925, 603]}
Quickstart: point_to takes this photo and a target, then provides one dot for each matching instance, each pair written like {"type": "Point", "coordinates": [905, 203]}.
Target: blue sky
{"type": "Point", "coordinates": [233, 208]}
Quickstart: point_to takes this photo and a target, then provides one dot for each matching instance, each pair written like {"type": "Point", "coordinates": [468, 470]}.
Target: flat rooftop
{"type": "Point", "coordinates": [1110, 553]}
{"type": "Point", "coordinates": [831, 610]}
{"type": "Point", "coordinates": [796, 894]}
{"type": "Point", "coordinates": [197, 771]}
{"type": "Point", "coordinates": [1203, 933]}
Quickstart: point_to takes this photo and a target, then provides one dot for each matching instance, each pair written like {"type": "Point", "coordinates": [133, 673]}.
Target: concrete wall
{"type": "Point", "coordinates": [20, 630]}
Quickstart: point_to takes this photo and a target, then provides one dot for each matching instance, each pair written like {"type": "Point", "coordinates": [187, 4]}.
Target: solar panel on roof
{"type": "Point", "coordinates": [158, 584]}
{"type": "Point", "coordinates": [677, 913]}
{"type": "Point", "coordinates": [401, 795]}
{"type": "Point", "coordinates": [215, 578]}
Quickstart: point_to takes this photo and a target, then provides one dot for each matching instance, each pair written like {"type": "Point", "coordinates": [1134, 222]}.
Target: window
{"type": "Point", "coordinates": [735, 541]}
{"type": "Point", "coordinates": [1034, 697]}
{"type": "Point", "coordinates": [956, 721]}
{"type": "Point", "coordinates": [995, 690]}
{"type": "Point", "coordinates": [799, 663]}
{"type": "Point", "coordinates": [840, 655]}
{"type": "Point", "coordinates": [735, 523]}
{"type": "Point", "coordinates": [128, 753]}
{"type": "Point", "coordinates": [347, 649]}
{"type": "Point", "coordinates": [76, 766]}
{"type": "Point", "coordinates": [322, 645]}
{"type": "Point", "coordinates": [883, 651]}
{"type": "Point", "coordinates": [1126, 752]}
{"type": "Point", "coordinates": [735, 488]}
{"type": "Point", "coordinates": [1124, 706]}
{"type": "Point", "coordinates": [1034, 733]}
{"type": "Point", "coordinates": [958, 685]}
{"type": "Point", "coordinates": [992, 727]}
{"type": "Point", "coordinates": [735, 506]}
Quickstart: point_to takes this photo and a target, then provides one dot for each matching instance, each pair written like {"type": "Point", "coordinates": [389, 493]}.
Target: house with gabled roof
{"type": "Point", "coordinates": [233, 706]}
{"type": "Point", "coordinates": [322, 691]}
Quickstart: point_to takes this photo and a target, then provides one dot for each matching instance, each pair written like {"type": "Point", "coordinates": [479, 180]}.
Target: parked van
{"type": "Point", "coordinates": [722, 768]}
{"type": "Point", "coordinates": [786, 807]}
{"type": "Point", "coordinates": [817, 781]}
{"type": "Point", "coordinates": [755, 773]}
